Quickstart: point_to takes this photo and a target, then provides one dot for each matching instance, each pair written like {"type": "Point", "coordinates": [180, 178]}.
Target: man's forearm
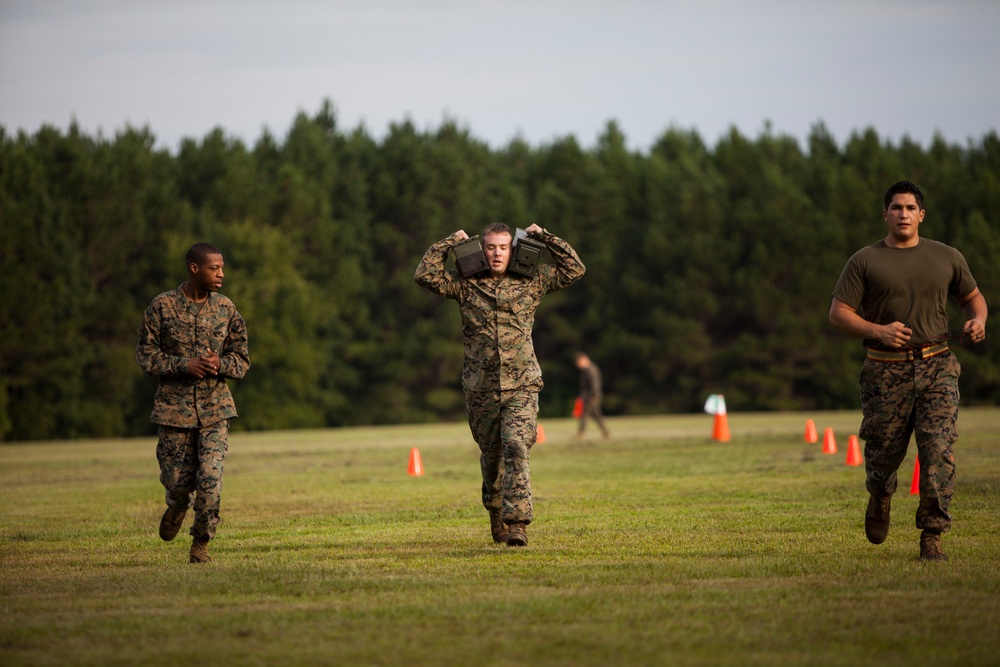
{"type": "Point", "coordinates": [569, 267]}
{"type": "Point", "coordinates": [976, 309]}
{"type": "Point", "coordinates": [430, 273]}
{"type": "Point", "coordinates": [851, 323]}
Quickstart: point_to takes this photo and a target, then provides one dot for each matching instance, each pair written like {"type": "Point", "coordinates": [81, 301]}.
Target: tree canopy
{"type": "Point", "coordinates": [710, 269]}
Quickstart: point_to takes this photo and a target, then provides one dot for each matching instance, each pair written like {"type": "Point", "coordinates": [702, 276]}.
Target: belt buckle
{"type": "Point", "coordinates": [917, 354]}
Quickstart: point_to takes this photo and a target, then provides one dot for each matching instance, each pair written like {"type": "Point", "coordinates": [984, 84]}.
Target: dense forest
{"type": "Point", "coordinates": [709, 269]}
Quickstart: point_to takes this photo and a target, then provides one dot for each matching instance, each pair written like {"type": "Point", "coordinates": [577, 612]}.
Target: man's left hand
{"type": "Point", "coordinates": [975, 330]}
{"type": "Point", "coordinates": [213, 360]}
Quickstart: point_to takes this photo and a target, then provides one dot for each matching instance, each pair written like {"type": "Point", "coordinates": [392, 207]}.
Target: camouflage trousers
{"type": "Point", "coordinates": [591, 410]}
{"type": "Point", "coordinates": [904, 398]}
{"type": "Point", "coordinates": [191, 461]}
{"type": "Point", "coordinates": [504, 425]}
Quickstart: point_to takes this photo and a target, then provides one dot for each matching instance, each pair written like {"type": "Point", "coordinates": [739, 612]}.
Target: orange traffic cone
{"type": "Point", "coordinates": [811, 435]}
{"type": "Point", "coordinates": [416, 465]}
{"type": "Point", "coordinates": [829, 442]}
{"type": "Point", "coordinates": [540, 435]}
{"type": "Point", "coordinates": [915, 484]}
{"type": "Point", "coordinates": [853, 451]}
{"type": "Point", "coordinates": [720, 431]}
{"type": "Point", "coordinates": [577, 408]}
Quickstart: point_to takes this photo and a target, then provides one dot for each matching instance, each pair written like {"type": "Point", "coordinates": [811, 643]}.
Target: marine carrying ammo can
{"type": "Point", "coordinates": [469, 257]}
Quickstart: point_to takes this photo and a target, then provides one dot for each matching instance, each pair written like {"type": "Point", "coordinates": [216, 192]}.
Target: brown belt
{"type": "Point", "coordinates": [912, 354]}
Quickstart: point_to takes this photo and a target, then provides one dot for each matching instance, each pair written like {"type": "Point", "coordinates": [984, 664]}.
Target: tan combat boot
{"type": "Point", "coordinates": [170, 523]}
{"type": "Point", "coordinates": [199, 551]}
{"type": "Point", "coordinates": [877, 519]}
{"type": "Point", "coordinates": [518, 535]}
{"type": "Point", "coordinates": [930, 546]}
{"type": "Point", "coordinates": [497, 527]}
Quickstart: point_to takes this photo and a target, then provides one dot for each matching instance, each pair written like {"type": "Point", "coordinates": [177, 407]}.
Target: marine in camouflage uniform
{"type": "Point", "coordinates": [192, 339]}
{"type": "Point", "coordinates": [893, 294]}
{"type": "Point", "coordinates": [591, 393]}
{"type": "Point", "coordinates": [501, 377]}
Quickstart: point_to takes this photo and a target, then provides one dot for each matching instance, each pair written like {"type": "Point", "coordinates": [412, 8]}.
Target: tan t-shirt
{"type": "Point", "coordinates": [908, 285]}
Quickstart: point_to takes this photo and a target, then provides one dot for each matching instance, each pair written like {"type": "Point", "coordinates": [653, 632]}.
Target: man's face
{"type": "Point", "coordinates": [903, 217]}
{"type": "Point", "coordinates": [496, 247]}
{"type": "Point", "coordinates": [208, 277]}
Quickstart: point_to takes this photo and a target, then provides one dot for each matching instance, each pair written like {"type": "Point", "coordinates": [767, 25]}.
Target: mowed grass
{"type": "Point", "coordinates": [658, 547]}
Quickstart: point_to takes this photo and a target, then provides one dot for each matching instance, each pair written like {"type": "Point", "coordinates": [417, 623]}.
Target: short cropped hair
{"type": "Point", "coordinates": [199, 252]}
{"type": "Point", "coordinates": [904, 188]}
{"type": "Point", "coordinates": [497, 228]}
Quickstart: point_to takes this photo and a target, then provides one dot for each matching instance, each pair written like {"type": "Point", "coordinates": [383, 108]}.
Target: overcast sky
{"type": "Point", "coordinates": [539, 70]}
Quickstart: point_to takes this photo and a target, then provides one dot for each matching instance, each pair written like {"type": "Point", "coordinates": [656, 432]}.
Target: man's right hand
{"type": "Point", "coordinates": [896, 334]}
{"type": "Point", "coordinates": [460, 235]}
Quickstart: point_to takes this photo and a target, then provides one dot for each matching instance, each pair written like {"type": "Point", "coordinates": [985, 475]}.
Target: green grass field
{"type": "Point", "coordinates": [658, 547]}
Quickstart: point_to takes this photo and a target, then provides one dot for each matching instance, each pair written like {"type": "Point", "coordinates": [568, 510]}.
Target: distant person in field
{"type": "Point", "coordinates": [501, 376]}
{"type": "Point", "coordinates": [591, 394]}
{"type": "Point", "coordinates": [893, 294]}
{"type": "Point", "coordinates": [192, 339]}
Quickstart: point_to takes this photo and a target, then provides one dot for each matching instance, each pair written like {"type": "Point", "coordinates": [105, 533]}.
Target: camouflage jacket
{"type": "Point", "coordinates": [498, 314]}
{"type": "Point", "coordinates": [173, 331]}
{"type": "Point", "coordinates": [590, 382]}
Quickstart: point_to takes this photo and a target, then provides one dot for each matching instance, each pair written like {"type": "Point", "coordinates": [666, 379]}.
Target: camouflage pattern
{"type": "Point", "coordinates": [191, 461]}
{"type": "Point", "coordinates": [193, 414]}
{"type": "Point", "coordinates": [503, 424]}
{"type": "Point", "coordinates": [590, 382]}
{"type": "Point", "coordinates": [174, 330]}
{"type": "Point", "coordinates": [902, 398]}
{"type": "Point", "coordinates": [591, 393]}
{"type": "Point", "coordinates": [501, 376]}
{"type": "Point", "coordinates": [498, 314]}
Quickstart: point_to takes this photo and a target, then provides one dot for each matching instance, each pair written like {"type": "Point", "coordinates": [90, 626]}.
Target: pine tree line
{"type": "Point", "coordinates": [709, 268]}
